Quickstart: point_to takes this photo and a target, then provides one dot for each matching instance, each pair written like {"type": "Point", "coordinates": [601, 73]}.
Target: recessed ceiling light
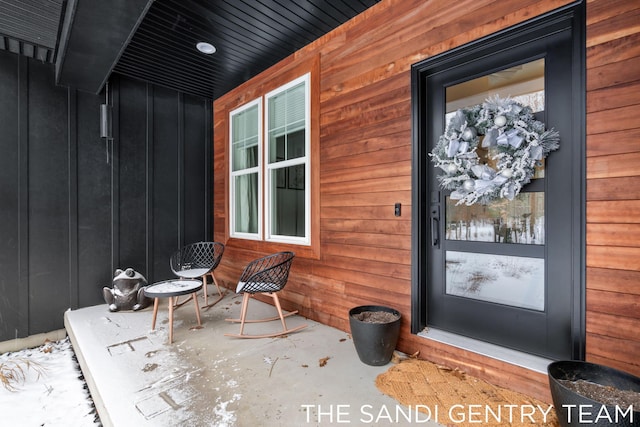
{"type": "Point", "coordinates": [205, 47]}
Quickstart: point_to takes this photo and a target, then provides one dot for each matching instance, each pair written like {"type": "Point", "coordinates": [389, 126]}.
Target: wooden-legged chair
{"type": "Point", "coordinates": [199, 260]}
{"type": "Point", "coordinates": [266, 276]}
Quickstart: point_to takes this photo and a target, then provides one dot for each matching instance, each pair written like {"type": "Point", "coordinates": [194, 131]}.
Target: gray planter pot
{"type": "Point", "coordinates": [374, 342]}
{"type": "Point", "coordinates": [572, 408]}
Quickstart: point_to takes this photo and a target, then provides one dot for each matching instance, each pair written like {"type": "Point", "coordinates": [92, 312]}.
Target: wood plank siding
{"type": "Point", "coordinates": [613, 172]}
{"type": "Point", "coordinates": [362, 167]}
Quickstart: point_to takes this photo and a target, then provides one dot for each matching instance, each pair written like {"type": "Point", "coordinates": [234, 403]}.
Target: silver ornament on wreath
{"type": "Point", "coordinates": [518, 143]}
{"type": "Point", "coordinates": [469, 134]}
{"type": "Point", "coordinates": [500, 121]}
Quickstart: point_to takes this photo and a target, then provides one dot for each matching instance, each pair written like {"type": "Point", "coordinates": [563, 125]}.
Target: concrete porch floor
{"type": "Point", "coordinates": [207, 379]}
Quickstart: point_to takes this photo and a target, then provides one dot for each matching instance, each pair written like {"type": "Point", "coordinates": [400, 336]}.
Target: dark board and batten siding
{"type": "Point", "coordinates": [364, 165]}
{"type": "Point", "coordinates": [69, 216]}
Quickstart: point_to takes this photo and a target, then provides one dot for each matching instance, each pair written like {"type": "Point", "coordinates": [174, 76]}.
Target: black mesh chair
{"type": "Point", "coordinates": [199, 260]}
{"type": "Point", "coordinates": [265, 276]}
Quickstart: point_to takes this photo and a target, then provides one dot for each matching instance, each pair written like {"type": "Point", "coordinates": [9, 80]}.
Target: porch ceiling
{"type": "Point", "coordinates": [30, 27]}
{"type": "Point", "coordinates": [154, 40]}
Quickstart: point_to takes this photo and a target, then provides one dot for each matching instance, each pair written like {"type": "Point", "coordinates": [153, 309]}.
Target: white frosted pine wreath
{"type": "Point", "coordinates": [520, 142]}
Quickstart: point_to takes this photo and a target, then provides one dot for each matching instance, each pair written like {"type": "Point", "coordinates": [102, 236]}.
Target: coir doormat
{"type": "Point", "coordinates": [453, 398]}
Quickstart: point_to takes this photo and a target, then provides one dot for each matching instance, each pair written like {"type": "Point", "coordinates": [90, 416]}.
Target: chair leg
{"type": "Point", "coordinates": [276, 301]}
{"type": "Point", "coordinates": [208, 305]}
{"type": "Point", "coordinates": [216, 283]}
{"type": "Point", "coordinates": [243, 310]}
{"type": "Point", "coordinates": [177, 304]}
{"type": "Point", "coordinates": [280, 316]}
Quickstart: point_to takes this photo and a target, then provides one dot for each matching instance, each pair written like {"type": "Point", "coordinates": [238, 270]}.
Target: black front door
{"type": "Point", "coordinates": [509, 271]}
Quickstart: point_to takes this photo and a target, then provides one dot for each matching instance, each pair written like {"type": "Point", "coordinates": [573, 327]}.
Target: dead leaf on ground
{"type": "Point", "coordinates": [47, 346]}
{"type": "Point", "coordinates": [322, 362]}
{"type": "Point", "coordinates": [454, 371]}
{"type": "Point", "coordinates": [193, 328]}
{"type": "Point", "coordinates": [398, 357]}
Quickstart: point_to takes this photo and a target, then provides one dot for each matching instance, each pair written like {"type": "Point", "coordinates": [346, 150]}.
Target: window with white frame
{"type": "Point", "coordinates": [284, 174]}
{"type": "Point", "coordinates": [246, 188]}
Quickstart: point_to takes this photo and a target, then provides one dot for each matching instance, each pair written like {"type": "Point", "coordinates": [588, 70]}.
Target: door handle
{"type": "Point", "coordinates": [435, 226]}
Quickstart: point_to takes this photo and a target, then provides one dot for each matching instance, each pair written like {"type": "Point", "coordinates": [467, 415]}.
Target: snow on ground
{"type": "Point", "coordinates": [49, 391]}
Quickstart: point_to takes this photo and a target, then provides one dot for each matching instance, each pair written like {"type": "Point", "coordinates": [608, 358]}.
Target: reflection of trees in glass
{"type": "Point", "coordinates": [476, 279]}
{"type": "Point", "coordinates": [517, 221]}
{"type": "Point", "coordinates": [503, 279]}
{"type": "Point", "coordinates": [472, 279]}
{"type": "Point", "coordinates": [512, 267]}
{"type": "Point", "coordinates": [535, 100]}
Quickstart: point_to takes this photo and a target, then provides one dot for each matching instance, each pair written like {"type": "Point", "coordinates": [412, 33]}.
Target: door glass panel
{"type": "Point", "coordinates": [520, 220]}
{"type": "Point", "coordinates": [523, 83]}
{"type": "Point", "coordinates": [509, 280]}
{"type": "Point", "coordinates": [512, 279]}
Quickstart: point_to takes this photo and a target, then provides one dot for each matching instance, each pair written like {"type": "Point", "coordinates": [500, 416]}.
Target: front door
{"type": "Point", "coordinates": [507, 271]}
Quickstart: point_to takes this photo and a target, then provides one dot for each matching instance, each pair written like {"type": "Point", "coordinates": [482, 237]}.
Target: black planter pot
{"type": "Point", "coordinates": [567, 402]}
{"type": "Point", "coordinates": [374, 342]}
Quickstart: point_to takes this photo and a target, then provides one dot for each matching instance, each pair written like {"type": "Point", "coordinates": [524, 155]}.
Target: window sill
{"type": "Point", "coordinates": [301, 251]}
{"type": "Point", "coordinates": [514, 357]}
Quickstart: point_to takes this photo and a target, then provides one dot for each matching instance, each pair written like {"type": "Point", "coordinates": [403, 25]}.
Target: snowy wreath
{"type": "Point", "coordinates": [520, 143]}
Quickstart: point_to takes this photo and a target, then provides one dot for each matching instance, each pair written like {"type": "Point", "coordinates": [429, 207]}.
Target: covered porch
{"type": "Point", "coordinates": [311, 377]}
{"type": "Point", "coordinates": [82, 201]}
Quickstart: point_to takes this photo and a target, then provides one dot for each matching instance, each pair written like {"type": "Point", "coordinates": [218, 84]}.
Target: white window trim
{"type": "Point", "coordinates": [233, 174]}
{"type": "Point", "coordinates": [270, 237]}
{"type": "Point", "coordinates": [264, 168]}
